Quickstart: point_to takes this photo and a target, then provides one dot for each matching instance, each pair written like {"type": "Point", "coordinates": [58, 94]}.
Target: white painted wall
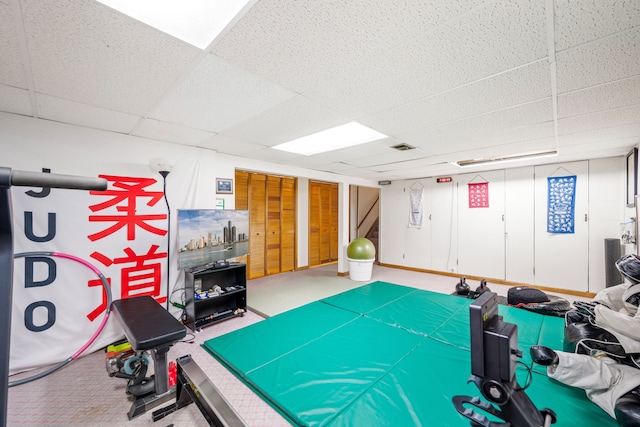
{"type": "Point", "coordinates": [458, 235]}
{"type": "Point", "coordinates": [31, 144]}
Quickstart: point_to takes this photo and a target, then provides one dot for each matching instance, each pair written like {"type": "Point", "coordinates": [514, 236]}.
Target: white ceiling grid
{"type": "Point", "coordinates": [457, 79]}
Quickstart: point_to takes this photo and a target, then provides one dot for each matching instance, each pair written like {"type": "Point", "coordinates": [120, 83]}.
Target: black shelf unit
{"type": "Point", "coordinates": [231, 301]}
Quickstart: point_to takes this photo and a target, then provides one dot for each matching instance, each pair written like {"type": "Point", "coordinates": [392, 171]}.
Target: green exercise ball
{"type": "Point", "coordinates": [361, 248]}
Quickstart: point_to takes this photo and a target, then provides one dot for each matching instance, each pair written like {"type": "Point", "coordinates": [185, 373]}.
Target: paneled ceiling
{"type": "Point", "coordinates": [456, 79]}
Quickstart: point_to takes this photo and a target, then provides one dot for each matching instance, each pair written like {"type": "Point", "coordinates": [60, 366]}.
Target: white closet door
{"type": "Point", "coordinates": [562, 260]}
{"type": "Point", "coordinates": [417, 252]}
{"type": "Point", "coordinates": [519, 223]}
{"type": "Point", "coordinates": [481, 229]}
{"type": "Point", "coordinates": [394, 211]}
{"type": "Point", "coordinates": [443, 227]}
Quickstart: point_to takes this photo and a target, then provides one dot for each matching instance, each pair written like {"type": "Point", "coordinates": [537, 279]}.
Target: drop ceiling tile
{"type": "Point", "coordinates": [578, 22]}
{"type": "Point", "coordinates": [171, 132]}
{"type": "Point", "coordinates": [502, 150]}
{"type": "Point", "coordinates": [229, 145]}
{"type": "Point", "coordinates": [606, 60]}
{"type": "Point", "coordinates": [91, 54]}
{"type": "Point", "coordinates": [296, 43]}
{"type": "Point", "coordinates": [15, 100]}
{"type": "Point", "coordinates": [217, 95]}
{"type": "Point", "coordinates": [520, 85]}
{"type": "Point", "coordinates": [497, 37]}
{"type": "Point", "coordinates": [389, 157]}
{"type": "Point", "coordinates": [65, 111]}
{"type": "Point", "coordinates": [614, 147]}
{"type": "Point", "coordinates": [622, 93]}
{"type": "Point", "coordinates": [12, 71]}
{"type": "Point", "coordinates": [425, 161]}
{"type": "Point", "coordinates": [271, 155]}
{"type": "Point", "coordinates": [293, 118]}
{"type": "Point", "coordinates": [599, 120]}
{"type": "Point", "coordinates": [607, 134]}
{"type": "Point", "coordinates": [463, 134]}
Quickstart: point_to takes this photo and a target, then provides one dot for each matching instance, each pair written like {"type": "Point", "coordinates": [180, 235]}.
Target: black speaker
{"type": "Point", "coordinates": [612, 253]}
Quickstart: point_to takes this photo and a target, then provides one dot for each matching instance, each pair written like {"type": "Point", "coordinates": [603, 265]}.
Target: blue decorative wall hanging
{"type": "Point", "coordinates": [561, 204]}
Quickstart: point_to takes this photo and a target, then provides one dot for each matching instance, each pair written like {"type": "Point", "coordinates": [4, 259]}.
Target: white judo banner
{"type": "Point", "coordinates": [58, 303]}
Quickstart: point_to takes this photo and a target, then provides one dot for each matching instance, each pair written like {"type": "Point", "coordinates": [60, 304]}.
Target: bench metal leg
{"type": "Point", "coordinates": [162, 392]}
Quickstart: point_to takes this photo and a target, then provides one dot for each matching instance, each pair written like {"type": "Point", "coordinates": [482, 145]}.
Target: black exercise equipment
{"type": "Point", "coordinates": [10, 178]}
{"type": "Point", "coordinates": [494, 358]}
{"type": "Point", "coordinates": [462, 288]}
{"type": "Point", "coordinates": [193, 386]}
{"type": "Point", "coordinates": [149, 327]}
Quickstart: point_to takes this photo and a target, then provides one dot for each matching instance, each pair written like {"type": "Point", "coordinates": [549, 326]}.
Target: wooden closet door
{"type": "Point", "coordinates": [273, 225]}
{"type": "Point", "coordinates": [257, 225]}
{"type": "Point", "coordinates": [288, 225]}
{"type": "Point", "coordinates": [242, 190]}
{"type": "Point", "coordinates": [323, 222]}
{"type": "Point", "coordinates": [314, 223]}
{"type": "Point", "coordinates": [333, 213]}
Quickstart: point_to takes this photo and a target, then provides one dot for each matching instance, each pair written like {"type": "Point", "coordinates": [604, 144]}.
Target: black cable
{"type": "Point", "coordinates": [166, 201]}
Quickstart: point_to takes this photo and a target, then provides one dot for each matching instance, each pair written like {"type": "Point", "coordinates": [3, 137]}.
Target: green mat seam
{"type": "Point", "coordinates": [305, 344]}
{"type": "Point", "coordinates": [257, 390]}
{"type": "Point", "coordinates": [377, 381]}
{"type": "Point", "coordinates": [377, 308]}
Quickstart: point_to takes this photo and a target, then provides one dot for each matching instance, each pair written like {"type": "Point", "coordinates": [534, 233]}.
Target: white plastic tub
{"type": "Point", "coordinates": [360, 269]}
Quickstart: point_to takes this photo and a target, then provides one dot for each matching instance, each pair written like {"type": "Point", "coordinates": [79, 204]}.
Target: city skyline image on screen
{"type": "Point", "coordinates": [207, 236]}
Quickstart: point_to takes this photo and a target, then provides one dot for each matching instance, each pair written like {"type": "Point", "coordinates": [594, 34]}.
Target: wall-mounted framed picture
{"type": "Point", "coordinates": [632, 177]}
{"type": "Point", "coordinates": [224, 186]}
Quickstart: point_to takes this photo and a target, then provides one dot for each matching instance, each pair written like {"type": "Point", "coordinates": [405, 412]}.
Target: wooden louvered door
{"type": "Point", "coordinates": [314, 223]}
{"type": "Point", "coordinates": [273, 225]}
{"type": "Point", "coordinates": [271, 201]}
{"type": "Point", "coordinates": [323, 223]}
{"type": "Point", "coordinates": [257, 225]}
{"type": "Point", "coordinates": [288, 225]}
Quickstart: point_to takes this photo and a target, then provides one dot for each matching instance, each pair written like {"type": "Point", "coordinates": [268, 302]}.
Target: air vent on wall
{"type": "Point", "coordinates": [403, 147]}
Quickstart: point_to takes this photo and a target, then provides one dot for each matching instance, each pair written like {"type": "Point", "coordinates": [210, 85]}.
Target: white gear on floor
{"type": "Point", "coordinates": [616, 315]}
{"type": "Point", "coordinates": [603, 379]}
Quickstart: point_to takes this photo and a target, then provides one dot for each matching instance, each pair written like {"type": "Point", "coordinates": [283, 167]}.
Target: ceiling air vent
{"type": "Point", "coordinates": [403, 147]}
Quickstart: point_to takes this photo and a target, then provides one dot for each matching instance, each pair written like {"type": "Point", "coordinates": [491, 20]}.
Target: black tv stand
{"type": "Point", "coordinates": [222, 294]}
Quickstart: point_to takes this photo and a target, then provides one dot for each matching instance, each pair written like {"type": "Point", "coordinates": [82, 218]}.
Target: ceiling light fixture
{"type": "Point", "coordinates": [197, 22]}
{"type": "Point", "coordinates": [506, 158]}
{"type": "Point", "coordinates": [343, 136]}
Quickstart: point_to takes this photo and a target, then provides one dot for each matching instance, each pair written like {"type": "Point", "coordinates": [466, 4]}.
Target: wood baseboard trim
{"type": "Point", "coordinates": [496, 281]}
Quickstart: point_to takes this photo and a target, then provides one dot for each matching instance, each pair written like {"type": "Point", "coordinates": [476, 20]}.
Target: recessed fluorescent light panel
{"type": "Point", "coordinates": [507, 158]}
{"type": "Point", "coordinates": [196, 22]}
{"type": "Point", "coordinates": [342, 136]}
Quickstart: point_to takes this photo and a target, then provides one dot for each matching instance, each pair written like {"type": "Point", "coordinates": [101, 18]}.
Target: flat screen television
{"type": "Point", "coordinates": [210, 236]}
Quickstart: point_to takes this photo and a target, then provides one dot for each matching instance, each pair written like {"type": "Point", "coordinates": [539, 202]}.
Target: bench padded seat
{"type": "Point", "coordinates": [147, 325]}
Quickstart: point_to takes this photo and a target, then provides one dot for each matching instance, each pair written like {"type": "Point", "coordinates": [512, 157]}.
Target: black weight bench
{"type": "Point", "coordinates": [149, 327]}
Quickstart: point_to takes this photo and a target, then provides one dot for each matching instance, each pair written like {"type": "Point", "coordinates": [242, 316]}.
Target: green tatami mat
{"type": "Point", "coordinates": [249, 348]}
{"type": "Point", "coordinates": [385, 355]}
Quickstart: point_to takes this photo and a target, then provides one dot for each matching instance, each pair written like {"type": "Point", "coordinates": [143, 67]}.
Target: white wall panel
{"type": "Point", "coordinates": [606, 211]}
{"type": "Point", "coordinates": [417, 249]}
{"type": "Point", "coordinates": [561, 260]}
{"type": "Point", "coordinates": [394, 214]}
{"type": "Point", "coordinates": [519, 222]}
{"type": "Point", "coordinates": [481, 230]}
{"type": "Point", "coordinates": [444, 211]}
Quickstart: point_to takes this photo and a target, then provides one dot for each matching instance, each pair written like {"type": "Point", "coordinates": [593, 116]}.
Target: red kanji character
{"type": "Point", "coordinates": [103, 305]}
{"type": "Point", "coordinates": [139, 279]}
{"type": "Point", "coordinates": [130, 188]}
